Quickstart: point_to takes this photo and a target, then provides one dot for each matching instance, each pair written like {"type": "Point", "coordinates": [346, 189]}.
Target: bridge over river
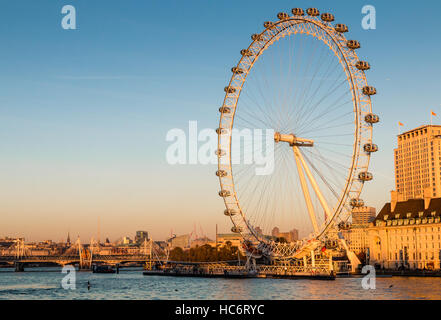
{"type": "Point", "coordinates": [82, 262]}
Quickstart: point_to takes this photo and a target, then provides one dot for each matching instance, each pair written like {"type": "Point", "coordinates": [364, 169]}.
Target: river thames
{"type": "Point", "coordinates": [45, 283]}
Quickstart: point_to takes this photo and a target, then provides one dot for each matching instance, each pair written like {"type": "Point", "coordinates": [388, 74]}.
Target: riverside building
{"type": "Point", "coordinates": [407, 231]}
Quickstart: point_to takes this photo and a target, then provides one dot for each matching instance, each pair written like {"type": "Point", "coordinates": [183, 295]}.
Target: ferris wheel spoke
{"type": "Point", "coordinates": [328, 93]}
{"type": "Point", "coordinates": [324, 98]}
{"type": "Point", "coordinates": [341, 172]}
{"type": "Point", "coordinates": [317, 129]}
{"type": "Point", "coordinates": [328, 115]}
{"type": "Point", "coordinates": [322, 81]}
{"type": "Point", "coordinates": [269, 121]}
{"type": "Point", "coordinates": [303, 102]}
{"type": "Point", "coordinates": [325, 77]}
{"type": "Point", "coordinates": [322, 177]}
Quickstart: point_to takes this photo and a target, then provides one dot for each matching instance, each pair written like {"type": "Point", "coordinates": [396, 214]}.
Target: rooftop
{"type": "Point", "coordinates": [412, 206]}
{"type": "Point", "coordinates": [419, 128]}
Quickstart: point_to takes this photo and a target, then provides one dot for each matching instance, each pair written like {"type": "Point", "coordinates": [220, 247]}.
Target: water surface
{"type": "Point", "coordinates": [45, 283]}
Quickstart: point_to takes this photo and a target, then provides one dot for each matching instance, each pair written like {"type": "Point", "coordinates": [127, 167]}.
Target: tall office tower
{"type": "Point", "coordinates": [418, 163]}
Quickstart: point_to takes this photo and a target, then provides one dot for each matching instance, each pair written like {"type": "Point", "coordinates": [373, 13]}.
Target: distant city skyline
{"type": "Point", "coordinates": [84, 113]}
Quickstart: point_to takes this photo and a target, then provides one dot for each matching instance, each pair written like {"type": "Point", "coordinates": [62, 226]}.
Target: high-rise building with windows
{"type": "Point", "coordinates": [141, 236]}
{"type": "Point", "coordinates": [418, 163]}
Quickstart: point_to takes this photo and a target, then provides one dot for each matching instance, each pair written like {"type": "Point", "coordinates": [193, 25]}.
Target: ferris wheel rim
{"type": "Point", "coordinates": [337, 38]}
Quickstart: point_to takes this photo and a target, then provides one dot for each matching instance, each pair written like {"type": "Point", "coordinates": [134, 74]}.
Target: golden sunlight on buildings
{"type": "Point", "coordinates": [407, 231]}
{"type": "Point", "coordinates": [418, 163]}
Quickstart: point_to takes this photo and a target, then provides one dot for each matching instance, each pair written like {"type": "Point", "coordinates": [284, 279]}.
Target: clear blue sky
{"type": "Point", "coordinates": [84, 113]}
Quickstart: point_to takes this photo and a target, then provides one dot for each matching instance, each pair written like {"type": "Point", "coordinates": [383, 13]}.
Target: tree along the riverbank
{"type": "Point", "coordinates": [206, 253]}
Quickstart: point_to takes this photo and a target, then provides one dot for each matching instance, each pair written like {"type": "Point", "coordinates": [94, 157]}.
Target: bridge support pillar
{"type": "Point", "coordinates": [19, 266]}
{"type": "Point", "coordinates": [117, 268]}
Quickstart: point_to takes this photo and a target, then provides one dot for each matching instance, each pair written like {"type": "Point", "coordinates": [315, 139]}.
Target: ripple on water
{"type": "Point", "coordinates": [133, 285]}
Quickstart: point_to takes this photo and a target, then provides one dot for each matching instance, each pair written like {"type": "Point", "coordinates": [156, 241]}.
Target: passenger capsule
{"type": "Point", "coordinates": [221, 173]}
{"type": "Point", "coordinates": [257, 37]}
{"type": "Point", "coordinates": [229, 212]}
{"type": "Point", "coordinates": [356, 203]}
{"type": "Point", "coordinates": [237, 70]}
{"type": "Point", "coordinates": [224, 110]}
{"type": "Point", "coordinates": [282, 16]}
{"type": "Point", "coordinates": [371, 118]}
{"type": "Point", "coordinates": [219, 152]}
{"type": "Point", "coordinates": [342, 28]}
{"type": "Point", "coordinates": [369, 91]}
{"type": "Point", "coordinates": [224, 193]}
{"type": "Point", "coordinates": [221, 131]}
{"type": "Point", "coordinates": [365, 176]}
{"type": "Point", "coordinates": [268, 24]}
{"type": "Point", "coordinates": [327, 17]}
{"type": "Point", "coordinates": [298, 12]}
{"type": "Point", "coordinates": [362, 65]}
{"type": "Point", "coordinates": [370, 147]}
{"type": "Point", "coordinates": [230, 89]}
{"type": "Point", "coordinates": [236, 229]}
{"type": "Point", "coordinates": [246, 53]}
{"type": "Point", "coordinates": [353, 44]}
{"type": "Point", "coordinates": [313, 12]}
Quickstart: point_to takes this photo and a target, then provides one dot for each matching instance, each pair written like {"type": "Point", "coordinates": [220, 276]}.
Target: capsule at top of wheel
{"type": "Point", "coordinates": [342, 28]}
{"type": "Point", "coordinates": [327, 17]}
{"type": "Point", "coordinates": [353, 44]}
{"type": "Point", "coordinates": [282, 16]}
{"type": "Point", "coordinates": [369, 91]}
{"type": "Point", "coordinates": [362, 65]}
{"type": "Point", "coordinates": [370, 147]}
{"type": "Point", "coordinates": [230, 89]}
{"type": "Point", "coordinates": [365, 176]}
{"type": "Point", "coordinates": [246, 53]}
{"type": "Point", "coordinates": [356, 203]}
{"type": "Point", "coordinates": [313, 12]}
{"type": "Point", "coordinates": [298, 12]}
{"type": "Point", "coordinates": [268, 24]}
{"type": "Point", "coordinates": [371, 118]}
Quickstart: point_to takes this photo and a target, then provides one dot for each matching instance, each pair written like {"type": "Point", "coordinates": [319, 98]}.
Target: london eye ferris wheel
{"type": "Point", "coordinates": [301, 78]}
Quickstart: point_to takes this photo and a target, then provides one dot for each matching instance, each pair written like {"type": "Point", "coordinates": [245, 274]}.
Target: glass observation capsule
{"type": "Point", "coordinates": [356, 203]}
{"type": "Point", "coordinates": [282, 16]}
{"type": "Point", "coordinates": [362, 65]}
{"type": "Point", "coordinates": [221, 173]}
{"type": "Point", "coordinates": [342, 28]}
{"type": "Point", "coordinates": [313, 12]}
{"type": "Point", "coordinates": [370, 147]}
{"type": "Point", "coordinates": [369, 91]}
{"type": "Point", "coordinates": [353, 44]}
{"type": "Point", "coordinates": [225, 110]}
{"type": "Point", "coordinates": [327, 17]}
{"type": "Point", "coordinates": [298, 12]}
{"type": "Point", "coordinates": [230, 212]}
{"type": "Point", "coordinates": [224, 193]}
{"type": "Point", "coordinates": [365, 176]}
{"type": "Point", "coordinates": [371, 118]}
